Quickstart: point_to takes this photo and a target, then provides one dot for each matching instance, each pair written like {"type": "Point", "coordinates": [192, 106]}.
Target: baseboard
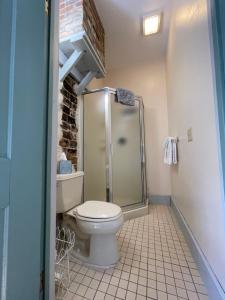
{"type": "Point", "coordinates": [215, 290]}
{"type": "Point", "coordinates": [156, 199]}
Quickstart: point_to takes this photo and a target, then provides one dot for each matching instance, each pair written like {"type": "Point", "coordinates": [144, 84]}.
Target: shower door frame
{"type": "Point", "coordinates": [108, 138]}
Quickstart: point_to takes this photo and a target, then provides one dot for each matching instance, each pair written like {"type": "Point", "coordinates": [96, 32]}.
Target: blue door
{"type": "Point", "coordinates": [23, 127]}
{"type": "Point", "coordinates": [218, 30]}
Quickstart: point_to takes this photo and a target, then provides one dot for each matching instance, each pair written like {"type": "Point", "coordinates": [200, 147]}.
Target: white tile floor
{"type": "Point", "coordinates": [155, 264]}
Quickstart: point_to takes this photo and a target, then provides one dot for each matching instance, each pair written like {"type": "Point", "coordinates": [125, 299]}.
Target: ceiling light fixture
{"type": "Point", "coordinates": [151, 24]}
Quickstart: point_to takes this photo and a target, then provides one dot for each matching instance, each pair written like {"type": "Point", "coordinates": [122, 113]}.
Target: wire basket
{"type": "Point", "coordinates": [65, 240]}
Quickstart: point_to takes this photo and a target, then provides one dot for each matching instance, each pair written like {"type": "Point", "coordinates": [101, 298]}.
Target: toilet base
{"type": "Point", "coordinates": [85, 261]}
{"type": "Point", "coordinates": [98, 242]}
{"type": "Point", "coordinates": [103, 252]}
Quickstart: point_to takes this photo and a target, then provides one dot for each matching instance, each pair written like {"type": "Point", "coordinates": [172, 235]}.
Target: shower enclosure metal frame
{"type": "Point", "coordinates": [108, 135]}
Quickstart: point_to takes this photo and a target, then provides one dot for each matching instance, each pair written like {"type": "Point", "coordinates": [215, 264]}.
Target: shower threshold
{"type": "Point", "coordinates": [135, 211]}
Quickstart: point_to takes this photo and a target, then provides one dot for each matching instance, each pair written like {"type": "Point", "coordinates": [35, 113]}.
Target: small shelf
{"type": "Point", "coordinates": [78, 57]}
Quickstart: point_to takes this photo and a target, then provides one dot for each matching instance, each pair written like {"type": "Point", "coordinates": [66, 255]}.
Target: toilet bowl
{"type": "Point", "coordinates": [100, 221]}
{"type": "Point", "coordinates": [95, 221]}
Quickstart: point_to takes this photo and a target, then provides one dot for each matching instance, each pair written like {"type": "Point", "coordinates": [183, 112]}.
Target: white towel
{"type": "Point", "coordinates": [170, 148]}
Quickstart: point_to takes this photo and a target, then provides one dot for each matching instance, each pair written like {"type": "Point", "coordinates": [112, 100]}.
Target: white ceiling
{"type": "Point", "coordinates": [125, 43]}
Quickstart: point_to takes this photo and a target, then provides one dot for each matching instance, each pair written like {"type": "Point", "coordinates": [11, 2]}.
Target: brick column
{"type": "Point", "coordinates": [71, 17]}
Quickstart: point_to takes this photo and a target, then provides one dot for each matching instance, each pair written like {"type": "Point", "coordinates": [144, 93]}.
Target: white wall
{"type": "Point", "coordinates": [96, 84]}
{"type": "Point", "coordinates": [148, 81]}
{"type": "Point", "coordinates": [196, 182]}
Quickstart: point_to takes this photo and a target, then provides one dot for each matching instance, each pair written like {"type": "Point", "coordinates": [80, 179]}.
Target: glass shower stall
{"type": "Point", "coordinates": [113, 150]}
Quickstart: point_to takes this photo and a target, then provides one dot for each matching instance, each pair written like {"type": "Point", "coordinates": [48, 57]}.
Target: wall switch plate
{"type": "Point", "coordinates": [189, 135]}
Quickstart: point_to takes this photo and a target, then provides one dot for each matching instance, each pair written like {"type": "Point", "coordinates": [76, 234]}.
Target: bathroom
{"type": "Point", "coordinates": [112, 173]}
{"type": "Point", "coordinates": [129, 219]}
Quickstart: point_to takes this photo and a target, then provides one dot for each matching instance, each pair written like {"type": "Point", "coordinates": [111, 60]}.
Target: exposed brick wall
{"type": "Point", "coordinates": [67, 120]}
{"type": "Point", "coordinates": [70, 17]}
{"type": "Point", "coordinates": [93, 26]}
{"type": "Point", "coordinates": [79, 15]}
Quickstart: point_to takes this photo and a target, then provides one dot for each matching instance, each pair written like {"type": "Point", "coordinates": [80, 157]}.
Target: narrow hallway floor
{"type": "Point", "coordinates": [155, 263]}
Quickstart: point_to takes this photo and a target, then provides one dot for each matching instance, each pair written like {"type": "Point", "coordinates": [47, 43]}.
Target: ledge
{"type": "Point", "coordinates": [78, 57]}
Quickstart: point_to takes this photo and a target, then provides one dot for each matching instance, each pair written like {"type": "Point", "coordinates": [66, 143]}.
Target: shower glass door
{"type": "Point", "coordinates": [126, 154]}
{"type": "Point", "coordinates": [113, 150]}
{"type": "Point", "coordinates": [94, 137]}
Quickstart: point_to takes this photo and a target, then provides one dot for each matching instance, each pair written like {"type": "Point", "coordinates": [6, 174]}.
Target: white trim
{"type": "Point", "coordinates": [69, 63]}
{"type": "Point", "coordinates": [52, 152]}
{"type": "Point", "coordinates": [85, 81]}
{"type": "Point", "coordinates": [74, 71]}
{"type": "Point", "coordinates": [62, 58]}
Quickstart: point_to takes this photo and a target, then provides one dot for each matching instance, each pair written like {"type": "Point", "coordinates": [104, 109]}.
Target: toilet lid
{"type": "Point", "coordinates": [98, 210]}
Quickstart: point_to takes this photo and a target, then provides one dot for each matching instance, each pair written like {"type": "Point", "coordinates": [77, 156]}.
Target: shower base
{"type": "Point", "coordinates": [135, 211]}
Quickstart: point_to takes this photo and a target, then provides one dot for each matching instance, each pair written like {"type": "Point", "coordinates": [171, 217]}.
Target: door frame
{"type": "Point", "coordinates": [53, 87]}
{"type": "Point", "coordinates": [216, 10]}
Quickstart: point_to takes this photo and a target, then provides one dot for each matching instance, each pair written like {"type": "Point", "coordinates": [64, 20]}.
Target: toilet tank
{"type": "Point", "coordinates": [69, 191]}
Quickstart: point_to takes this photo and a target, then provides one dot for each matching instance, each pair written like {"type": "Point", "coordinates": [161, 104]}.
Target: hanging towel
{"type": "Point", "coordinates": [125, 97]}
{"type": "Point", "coordinates": [170, 148]}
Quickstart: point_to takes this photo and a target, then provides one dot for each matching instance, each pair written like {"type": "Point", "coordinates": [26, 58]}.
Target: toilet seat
{"type": "Point", "coordinates": [97, 211]}
{"type": "Point", "coordinates": [97, 220]}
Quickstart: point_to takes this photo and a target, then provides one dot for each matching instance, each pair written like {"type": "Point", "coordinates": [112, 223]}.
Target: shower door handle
{"type": "Point", "coordinates": [107, 194]}
{"type": "Point", "coordinates": [107, 184]}
{"type": "Point", "coordinates": [108, 175]}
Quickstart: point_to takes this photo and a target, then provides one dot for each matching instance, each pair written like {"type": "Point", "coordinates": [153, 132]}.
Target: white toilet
{"type": "Point", "coordinates": [96, 222]}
